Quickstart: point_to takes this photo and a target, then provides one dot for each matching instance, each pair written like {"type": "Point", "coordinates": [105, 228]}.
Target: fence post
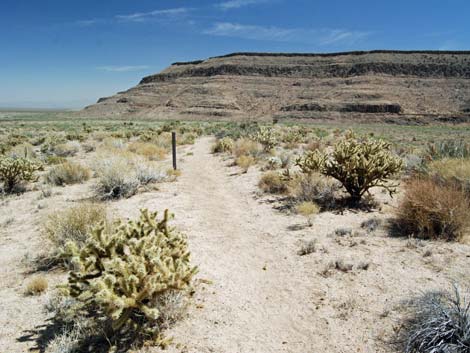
{"type": "Point", "coordinates": [173, 147]}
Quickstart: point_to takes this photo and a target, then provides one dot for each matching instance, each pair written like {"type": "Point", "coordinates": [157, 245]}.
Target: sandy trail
{"type": "Point", "coordinates": [247, 253]}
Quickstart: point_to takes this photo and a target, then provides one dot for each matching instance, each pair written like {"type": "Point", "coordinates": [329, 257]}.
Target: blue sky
{"type": "Point", "coordinates": [68, 53]}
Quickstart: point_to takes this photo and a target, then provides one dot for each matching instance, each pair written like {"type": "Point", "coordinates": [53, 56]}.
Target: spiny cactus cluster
{"type": "Point", "coordinates": [267, 137]}
{"type": "Point", "coordinates": [14, 171]}
{"type": "Point", "coordinates": [358, 163]}
{"type": "Point", "coordinates": [122, 274]}
{"type": "Point", "coordinates": [223, 145]}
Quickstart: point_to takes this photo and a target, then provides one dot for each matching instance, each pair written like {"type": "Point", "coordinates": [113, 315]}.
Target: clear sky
{"type": "Point", "coordinates": [68, 53]}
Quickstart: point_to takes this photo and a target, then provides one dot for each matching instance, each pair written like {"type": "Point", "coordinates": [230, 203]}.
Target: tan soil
{"type": "Point", "coordinates": [256, 293]}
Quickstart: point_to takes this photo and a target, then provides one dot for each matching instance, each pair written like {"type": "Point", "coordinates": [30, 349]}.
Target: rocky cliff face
{"type": "Point", "coordinates": [379, 85]}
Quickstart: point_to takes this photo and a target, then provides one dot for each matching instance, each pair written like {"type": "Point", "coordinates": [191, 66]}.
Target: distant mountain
{"type": "Point", "coordinates": [399, 86]}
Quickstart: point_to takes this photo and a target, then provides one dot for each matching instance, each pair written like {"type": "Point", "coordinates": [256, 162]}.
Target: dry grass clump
{"type": "Point", "coordinates": [67, 149]}
{"type": "Point", "coordinates": [68, 173]}
{"type": "Point", "coordinates": [430, 210]}
{"type": "Point", "coordinates": [308, 209]}
{"type": "Point", "coordinates": [451, 171]}
{"type": "Point", "coordinates": [36, 286]}
{"type": "Point", "coordinates": [148, 150]}
{"type": "Point", "coordinates": [437, 322]}
{"type": "Point", "coordinates": [247, 147]}
{"type": "Point", "coordinates": [173, 174]}
{"type": "Point", "coordinates": [273, 183]}
{"type": "Point", "coordinates": [73, 224]}
{"type": "Point", "coordinates": [245, 162]}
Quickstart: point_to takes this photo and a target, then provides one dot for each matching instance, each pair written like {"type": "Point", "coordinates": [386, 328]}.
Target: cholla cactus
{"type": "Point", "coordinates": [359, 164]}
{"type": "Point", "coordinates": [14, 171]}
{"type": "Point", "coordinates": [267, 137]}
{"type": "Point", "coordinates": [223, 145]}
{"type": "Point", "coordinates": [124, 273]}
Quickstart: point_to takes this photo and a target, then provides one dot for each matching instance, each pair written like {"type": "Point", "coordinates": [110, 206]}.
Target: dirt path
{"type": "Point", "coordinates": [257, 300]}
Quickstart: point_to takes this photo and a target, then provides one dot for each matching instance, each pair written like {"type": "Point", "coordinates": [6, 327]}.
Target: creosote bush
{"type": "Point", "coordinates": [358, 163]}
{"type": "Point", "coordinates": [15, 171]}
{"type": "Point", "coordinates": [433, 211]}
{"type": "Point", "coordinates": [121, 276]}
{"type": "Point", "coordinates": [67, 173]}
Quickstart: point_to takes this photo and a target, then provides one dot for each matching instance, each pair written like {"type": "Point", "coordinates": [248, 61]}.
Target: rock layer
{"type": "Point", "coordinates": [377, 85]}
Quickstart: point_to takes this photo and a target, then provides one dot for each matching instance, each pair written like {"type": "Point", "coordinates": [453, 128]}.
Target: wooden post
{"type": "Point", "coordinates": [173, 146]}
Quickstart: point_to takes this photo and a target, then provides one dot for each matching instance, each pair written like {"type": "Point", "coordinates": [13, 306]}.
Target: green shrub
{"type": "Point", "coordinates": [67, 173]}
{"type": "Point", "coordinates": [358, 164]}
{"type": "Point", "coordinates": [15, 171]}
{"type": "Point", "coordinates": [121, 276]}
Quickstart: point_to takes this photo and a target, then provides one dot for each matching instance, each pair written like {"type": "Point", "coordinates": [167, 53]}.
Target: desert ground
{"type": "Point", "coordinates": [253, 291]}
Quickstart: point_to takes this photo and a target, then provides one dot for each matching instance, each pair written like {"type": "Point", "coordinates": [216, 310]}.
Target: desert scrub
{"type": "Point", "coordinates": [67, 173]}
{"type": "Point", "coordinates": [121, 276]}
{"type": "Point", "coordinates": [117, 176]}
{"type": "Point", "coordinates": [37, 285]}
{"type": "Point", "coordinates": [314, 187]}
{"type": "Point", "coordinates": [267, 137]}
{"type": "Point", "coordinates": [448, 149]}
{"type": "Point", "coordinates": [437, 322]}
{"type": "Point", "coordinates": [359, 164]}
{"type": "Point", "coordinates": [73, 225]}
{"type": "Point", "coordinates": [247, 147]}
{"type": "Point", "coordinates": [430, 210]}
{"type": "Point", "coordinates": [148, 150]}
{"type": "Point", "coordinates": [308, 209]}
{"type": "Point", "coordinates": [23, 150]}
{"type": "Point", "coordinates": [67, 149]}
{"type": "Point", "coordinates": [16, 171]}
{"type": "Point", "coordinates": [273, 182]}
{"type": "Point", "coordinates": [451, 171]}
{"type": "Point", "coordinates": [223, 145]}
{"type": "Point", "coordinates": [245, 162]}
